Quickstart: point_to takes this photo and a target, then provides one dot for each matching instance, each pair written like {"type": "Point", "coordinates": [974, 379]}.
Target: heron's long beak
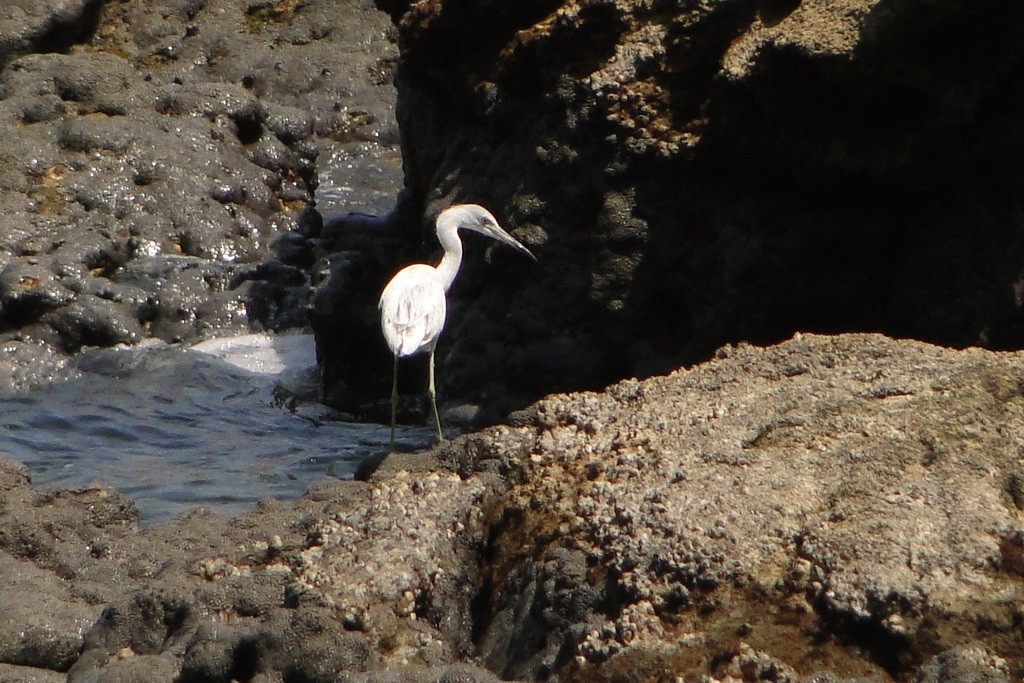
{"type": "Point", "coordinates": [505, 238]}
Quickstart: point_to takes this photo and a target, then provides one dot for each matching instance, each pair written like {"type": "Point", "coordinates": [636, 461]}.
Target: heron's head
{"type": "Point", "coordinates": [478, 219]}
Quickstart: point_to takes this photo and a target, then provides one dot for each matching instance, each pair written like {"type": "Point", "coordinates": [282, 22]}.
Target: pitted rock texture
{"type": "Point", "coordinates": [830, 509]}
{"type": "Point", "coordinates": [354, 582]}
{"type": "Point", "coordinates": [410, 555]}
{"type": "Point", "coordinates": [159, 163]}
{"type": "Point", "coordinates": [698, 173]}
{"type": "Point", "coordinates": [847, 504]}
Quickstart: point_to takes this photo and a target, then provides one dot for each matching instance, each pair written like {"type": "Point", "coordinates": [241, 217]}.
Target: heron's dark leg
{"type": "Point", "coordinates": [433, 398]}
{"type": "Point", "coordinates": [394, 401]}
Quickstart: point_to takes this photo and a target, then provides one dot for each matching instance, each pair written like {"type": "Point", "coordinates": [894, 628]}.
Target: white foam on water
{"type": "Point", "coordinates": [264, 354]}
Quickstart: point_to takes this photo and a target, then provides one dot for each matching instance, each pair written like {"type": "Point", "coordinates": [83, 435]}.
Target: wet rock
{"type": "Point", "coordinates": [142, 132]}
{"type": "Point", "coordinates": [694, 175]}
{"type": "Point", "coordinates": [26, 364]}
{"type": "Point", "coordinates": [353, 379]}
{"type": "Point", "coordinates": [27, 291]}
{"type": "Point", "coordinates": [278, 296]}
{"type": "Point", "coordinates": [93, 321]}
{"type": "Point", "coordinates": [121, 188]}
{"type": "Point", "coordinates": [188, 297]}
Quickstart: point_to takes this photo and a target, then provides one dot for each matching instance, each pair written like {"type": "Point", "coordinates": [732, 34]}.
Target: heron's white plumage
{"type": "Point", "coordinates": [413, 305]}
{"type": "Point", "coordinates": [413, 309]}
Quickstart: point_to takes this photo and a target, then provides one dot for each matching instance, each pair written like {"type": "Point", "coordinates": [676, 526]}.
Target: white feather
{"type": "Point", "coordinates": [413, 310]}
{"type": "Point", "coordinates": [413, 305]}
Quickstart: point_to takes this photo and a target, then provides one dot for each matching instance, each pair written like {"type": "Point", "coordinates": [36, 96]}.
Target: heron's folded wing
{"type": "Point", "coordinates": [412, 310]}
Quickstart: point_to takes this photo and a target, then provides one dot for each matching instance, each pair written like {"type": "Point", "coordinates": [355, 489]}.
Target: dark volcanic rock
{"type": "Point", "coordinates": [691, 174]}
{"type": "Point", "coordinates": [46, 25]}
{"type": "Point", "coordinates": [350, 274]}
{"type": "Point", "coordinates": [93, 321]}
{"type": "Point", "coordinates": [111, 185]}
{"type": "Point", "coordinates": [154, 153]}
{"type": "Point", "coordinates": [353, 578]}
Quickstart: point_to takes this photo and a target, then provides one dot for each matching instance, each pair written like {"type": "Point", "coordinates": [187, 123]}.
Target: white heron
{"type": "Point", "coordinates": [414, 303]}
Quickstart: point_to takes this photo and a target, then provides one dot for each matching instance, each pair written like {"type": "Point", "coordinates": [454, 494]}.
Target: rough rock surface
{"type": "Point", "coordinates": [830, 509]}
{"type": "Point", "coordinates": [696, 173]}
{"type": "Point", "coordinates": [158, 164]}
{"type": "Point", "coordinates": [273, 595]}
{"type": "Point", "coordinates": [850, 505]}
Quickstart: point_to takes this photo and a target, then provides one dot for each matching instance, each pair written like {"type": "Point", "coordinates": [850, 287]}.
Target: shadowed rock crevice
{"type": "Point", "coordinates": [897, 654]}
{"type": "Point", "coordinates": [842, 573]}
{"type": "Point", "coordinates": [451, 44]}
{"type": "Point", "coordinates": [63, 32]}
{"type": "Point", "coordinates": [579, 43]}
{"type": "Point", "coordinates": [47, 26]}
{"type": "Point", "coordinates": [244, 660]}
{"type": "Point", "coordinates": [696, 174]}
{"type": "Point", "coordinates": [772, 12]}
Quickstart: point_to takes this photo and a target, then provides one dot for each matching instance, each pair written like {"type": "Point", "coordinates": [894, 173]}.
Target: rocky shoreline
{"type": "Point", "coordinates": [160, 165]}
{"type": "Point", "coordinates": [831, 509]}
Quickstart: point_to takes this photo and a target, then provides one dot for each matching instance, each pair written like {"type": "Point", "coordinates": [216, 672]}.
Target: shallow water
{"type": "Point", "coordinates": [176, 428]}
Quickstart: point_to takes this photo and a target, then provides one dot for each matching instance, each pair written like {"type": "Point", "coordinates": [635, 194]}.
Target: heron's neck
{"type": "Point", "coordinates": [448, 236]}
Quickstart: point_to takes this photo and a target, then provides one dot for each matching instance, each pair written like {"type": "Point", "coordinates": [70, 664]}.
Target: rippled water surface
{"type": "Point", "coordinates": [176, 428]}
